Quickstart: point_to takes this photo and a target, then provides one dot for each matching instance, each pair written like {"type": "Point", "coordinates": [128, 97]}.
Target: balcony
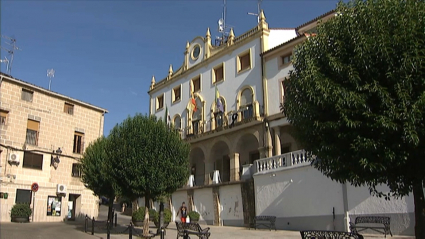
{"type": "Point", "coordinates": [284, 160]}
{"type": "Point", "coordinates": [222, 122]}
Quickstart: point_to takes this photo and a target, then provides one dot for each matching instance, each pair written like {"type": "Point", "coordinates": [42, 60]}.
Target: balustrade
{"type": "Point", "coordinates": [283, 160]}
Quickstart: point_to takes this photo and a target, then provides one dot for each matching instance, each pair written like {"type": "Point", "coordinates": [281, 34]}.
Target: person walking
{"type": "Point", "coordinates": [182, 212]}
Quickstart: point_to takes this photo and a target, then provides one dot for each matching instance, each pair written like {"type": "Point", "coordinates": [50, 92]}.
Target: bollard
{"type": "Point", "coordinates": [162, 235]}
{"type": "Point", "coordinates": [108, 232]}
{"type": "Point", "coordinates": [85, 223]}
{"type": "Point", "coordinates": [130, 231]}
{"type": "Point", "coordinates": [185, 235]}
{"type": "Point", "coordinates": [92, 226]}
{"type": "Point", "coordinates": [115, 219]}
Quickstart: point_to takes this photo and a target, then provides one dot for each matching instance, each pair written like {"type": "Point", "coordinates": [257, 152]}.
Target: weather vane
{"type": "Point", "coordinates": [50, 74]}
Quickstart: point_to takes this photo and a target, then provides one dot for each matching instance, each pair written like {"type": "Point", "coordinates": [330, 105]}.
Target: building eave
{"type": "Point", "coordinates": [6, 77]}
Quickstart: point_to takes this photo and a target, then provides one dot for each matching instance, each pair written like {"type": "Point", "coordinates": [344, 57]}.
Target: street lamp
{"type": "Point", "coordinates": [55, 160]}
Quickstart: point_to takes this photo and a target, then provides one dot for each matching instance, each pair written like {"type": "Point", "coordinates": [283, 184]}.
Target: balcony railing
{"type": "Point", "coordinates": [283, 160]}
{"type": "Point", "coordinates": [226, 121]}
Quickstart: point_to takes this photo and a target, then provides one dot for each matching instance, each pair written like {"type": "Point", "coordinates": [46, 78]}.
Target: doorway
{"type": "Point", "coordinates": [73, 205]}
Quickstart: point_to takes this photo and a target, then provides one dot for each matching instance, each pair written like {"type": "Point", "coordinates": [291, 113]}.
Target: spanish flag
{"type": "Point", "coordinates": [192, 99]}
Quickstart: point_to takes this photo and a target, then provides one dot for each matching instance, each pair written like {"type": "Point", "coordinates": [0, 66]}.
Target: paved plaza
{"type": "Point", "coordinates": [75, 230]}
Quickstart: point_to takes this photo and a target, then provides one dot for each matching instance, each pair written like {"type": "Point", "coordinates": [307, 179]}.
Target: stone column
{"type": "Point", "coordinates": [209, 168]}
{"type": "Point", "coordinates": [277, 149]}
{"type": "Point", "coordinates": [268, 141]}
{"type": "Point", "coordinates": [234, 167]}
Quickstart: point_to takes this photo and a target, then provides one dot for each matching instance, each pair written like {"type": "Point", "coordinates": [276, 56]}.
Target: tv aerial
{"type": "Point", "coordinates": [11, 51]}
{"type": "Point", "coordinates": [222, 27]}
{"type": "Point", "coordinates": [50, 74]}
{"type": "Point", "coordinates": [258, 11]}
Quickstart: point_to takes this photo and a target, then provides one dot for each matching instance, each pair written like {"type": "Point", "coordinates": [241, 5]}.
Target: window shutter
{"type": "Point", "coordinates": [33, 125]}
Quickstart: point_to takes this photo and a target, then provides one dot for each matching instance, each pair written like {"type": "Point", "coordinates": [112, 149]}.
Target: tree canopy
{"type": "Point", "coordinates": [356, 97]}
{"type": "Point", "coordinates": [147, 158]}
{"type": "Point", "coordinates": [93, 169]}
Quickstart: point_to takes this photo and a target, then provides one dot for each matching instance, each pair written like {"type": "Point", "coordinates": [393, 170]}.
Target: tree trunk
{"type": "Point", "coordinates": [134, 206]}
{"type": "Point", "coordinates": [418, 195]}
{"type": "Point", "coordinates": [146, 221]}
{"type": "Point", "coordinates": [110, 216]}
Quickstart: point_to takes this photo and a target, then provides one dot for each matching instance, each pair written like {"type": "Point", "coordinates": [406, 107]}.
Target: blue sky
{"type": "Point", "coordinates": [105, 52]}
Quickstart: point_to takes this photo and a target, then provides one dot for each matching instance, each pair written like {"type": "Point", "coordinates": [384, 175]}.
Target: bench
{"type": "Point", "coordinates": [366, 222]}
{"type": "Point", "coordinates": [312, 234]}
{"type": "Point", "coordinates": [266, 221]}
{"type": "Point", "coordinates": [186, 229]}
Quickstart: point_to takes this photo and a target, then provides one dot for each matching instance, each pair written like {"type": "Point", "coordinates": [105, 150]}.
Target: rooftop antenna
{"type": "Point", "coordinates": [222, 24]}
{"type": "Point", "coordinates": [258, 11]}
{"type": "Point", "coordinates": [50, 74]}
{"type": "Point", "coordinates": [11, 51]}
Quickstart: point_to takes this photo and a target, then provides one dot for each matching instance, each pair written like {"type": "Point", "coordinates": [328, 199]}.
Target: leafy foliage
{"type": "Point", "coordinates": [194, 215]}
{"type": "Point", "coordinates": [139, 214]}
{"type": "Point", "coordinates": [357, 94]}
{"type": "Point", "coordinates": [21, 210]}
{"type": "Point", "coordinates": [147, 158]}
{"type": "Point", "coordinates": [94, 170]}
{"type": "Point", "coordinates": [167, 216]}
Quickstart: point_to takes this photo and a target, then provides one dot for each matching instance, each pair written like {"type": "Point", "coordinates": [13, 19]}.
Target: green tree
{"type": "Point", "coordinates": [356, 97]}
{"type": "Point", "coordinates": [147, 159]}
{"type": "Point", "coordinates": [94, 172]}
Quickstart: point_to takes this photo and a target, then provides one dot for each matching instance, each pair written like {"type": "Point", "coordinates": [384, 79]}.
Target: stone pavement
{"type": "Point", "coordinates": [75, 230]}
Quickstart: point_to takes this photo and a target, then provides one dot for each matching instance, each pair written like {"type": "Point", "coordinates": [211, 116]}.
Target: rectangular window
{"type": "Point", "coordinates": [78, 143]}
{"type": "Point", "coordinates": [3, 117]}
{"type": "Point", "coordinates": [76, 170]}
{"type": "Point", "coordinates": [54, 205]}
{"type": "Point", "coordinates": [218, 74]}
{"type": "Point", "coordinates": [68, 108]}
{"type": "Point", "coordinates": [23, 196]}
{"type": "Point", "coordinates": [27, 95]}
{"type": "Point", "coordinates": [244, 62]}
{"type": "Point", "coordinates": [32, 132]}
{"type": "Point", "coordinates": [176, 93]}
{"type": "Point", "coordinates": [159, 102]}
{"type": "Point", "coordinates": [196, 83]}
{"type": "Point", "coordinates": [286, 59]}
{"type": "Point", "coordinates": [33, 160]}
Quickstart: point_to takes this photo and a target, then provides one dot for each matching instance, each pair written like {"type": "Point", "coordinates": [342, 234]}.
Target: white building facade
{"type": "Point", "coordinates": [244, 158]}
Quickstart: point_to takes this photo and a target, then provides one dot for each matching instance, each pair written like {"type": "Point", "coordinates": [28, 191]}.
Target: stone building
{"type": "Point", "coordinates": [43, 135]}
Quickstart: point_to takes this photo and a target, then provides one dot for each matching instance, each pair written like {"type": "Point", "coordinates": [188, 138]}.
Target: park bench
{"type": "Point", "coordinates": [266, 221]}
{"type": "Point", "coordinates": [376, 223]}
{"type": "Point", "coordinates": [314, 234]}
{"type": "Point", "coordinates": [191, 228]}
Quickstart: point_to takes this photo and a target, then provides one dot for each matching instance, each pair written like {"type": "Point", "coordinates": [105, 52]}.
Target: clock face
{"type": "Point", "coordinates": [196, 51]}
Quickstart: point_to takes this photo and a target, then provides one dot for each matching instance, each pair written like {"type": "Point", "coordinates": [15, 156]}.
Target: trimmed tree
{"type": "Point", "coordinates": [94, 171]}
{"type": "Point", "coordinates": [356, 97]}
{"type": "Point", "coordinates": [147, 159]}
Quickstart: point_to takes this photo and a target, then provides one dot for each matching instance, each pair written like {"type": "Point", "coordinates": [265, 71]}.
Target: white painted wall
{"type": "Point", "coordinates": [231, 203]}
{"type": "Point", "coordinates": [279, 36]}
{"type": "Point", "coordinates": [177, 199]}
{"type": "Point", "coordinates": [203, 201]}
{"type": "Point", "coordinates": [309, 193]}
{"type": "Point", "coordinates": [274, 76]}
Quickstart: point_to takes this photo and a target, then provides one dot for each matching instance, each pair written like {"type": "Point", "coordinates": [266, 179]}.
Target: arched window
{"type": "Point", "coordinates": [197, 117]}
{"type": "Point", "coordinates": [177, 123]}
{"type": "Point", "coordinates": [219, 114]}
{"type": "Point", "coordinates": [246, 104]}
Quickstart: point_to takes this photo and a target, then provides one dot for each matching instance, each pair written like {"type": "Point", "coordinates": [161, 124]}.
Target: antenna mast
{"type": "Point", "coordinates": [11, 52]}
{"type": "Point", "coordinates": [258, 11]}
{"type": "Point", "coordinates": [222, 25]}
{"type": "Point", "coordinates": [50, 74]}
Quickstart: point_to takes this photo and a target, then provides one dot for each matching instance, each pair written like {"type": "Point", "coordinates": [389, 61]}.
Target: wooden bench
{"type": "Point", "coordinates": [266, 221]}
{"type": "Point", "coordinates": [186, 229]}
{"type": "Point", "coordinates": [313, 234]}
{"type": "Point", "coordinates": [369, 222]}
